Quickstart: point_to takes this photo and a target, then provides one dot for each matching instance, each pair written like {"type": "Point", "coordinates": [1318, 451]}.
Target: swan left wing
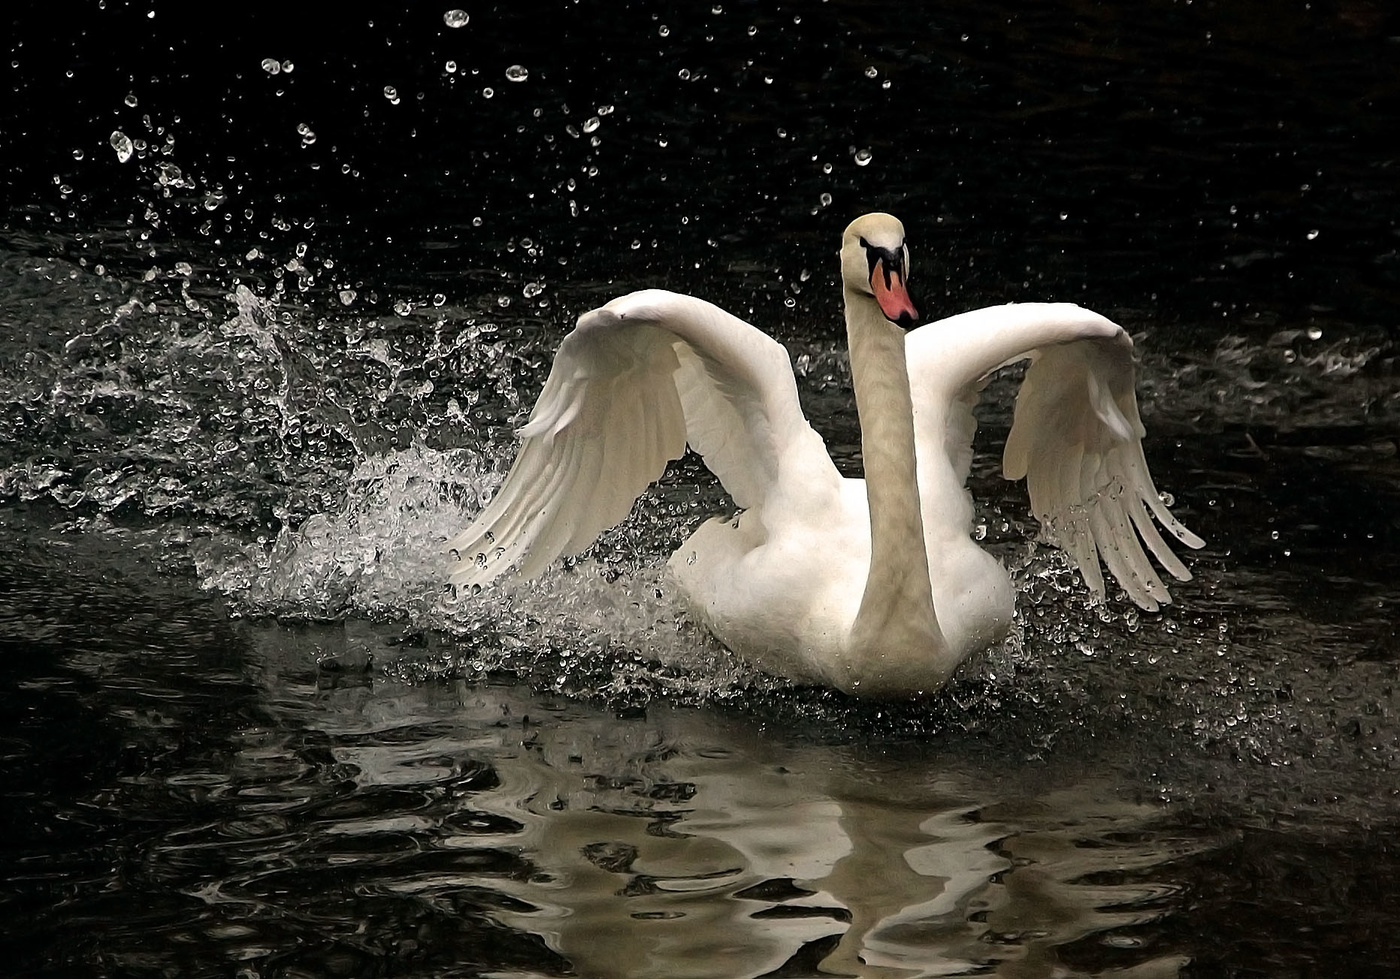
{"type": "Point", "coordinates": [1076, 436]}
{"type": "Point", "coordinates": [635, 382]}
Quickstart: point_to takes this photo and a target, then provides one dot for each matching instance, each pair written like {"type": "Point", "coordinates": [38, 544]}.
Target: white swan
{"type": "Point", "coordinates": [872, 586]}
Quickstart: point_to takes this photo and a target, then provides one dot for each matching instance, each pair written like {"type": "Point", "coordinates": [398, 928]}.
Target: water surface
{"type": "Point", "coordinates": [252, 374]}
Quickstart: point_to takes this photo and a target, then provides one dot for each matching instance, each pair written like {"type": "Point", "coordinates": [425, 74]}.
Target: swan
{"type": "Point", "coordinates": [873, 586]}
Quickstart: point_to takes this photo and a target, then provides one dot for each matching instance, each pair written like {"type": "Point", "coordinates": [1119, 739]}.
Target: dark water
{"type": "Point", "coordinates": [253, 374]}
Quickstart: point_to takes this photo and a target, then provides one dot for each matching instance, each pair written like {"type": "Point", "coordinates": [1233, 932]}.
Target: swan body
{"type": "Point", "coordinates": [873, 586]}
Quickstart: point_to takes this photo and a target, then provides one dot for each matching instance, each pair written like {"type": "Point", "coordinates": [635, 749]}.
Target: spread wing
{"type": "Point", "coordinates": [633, 384]}
{"type": "Point", "coordinates": [1076, 435]}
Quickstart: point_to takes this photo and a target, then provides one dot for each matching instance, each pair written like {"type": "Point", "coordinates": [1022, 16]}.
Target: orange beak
{"type": "Point", "coordinates": [893, 297]}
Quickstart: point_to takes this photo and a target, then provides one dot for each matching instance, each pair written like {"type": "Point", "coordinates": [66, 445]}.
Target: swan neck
{"type": "Point", "coordinates": [896, 611]}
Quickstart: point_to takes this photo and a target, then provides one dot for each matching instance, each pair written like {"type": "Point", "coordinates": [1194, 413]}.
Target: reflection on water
{"type": "Point", "coordinates": [684, 847]}
{"type": "Point", "coordinates": [245, 810]}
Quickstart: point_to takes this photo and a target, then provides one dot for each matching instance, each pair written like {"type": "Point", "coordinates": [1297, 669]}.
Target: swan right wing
{"type": "Point", "coordinates": [635, 382]}
{"type": "Point", "coordinates": [1076, 436]}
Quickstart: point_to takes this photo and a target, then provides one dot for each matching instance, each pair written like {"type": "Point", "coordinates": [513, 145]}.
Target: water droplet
{"type": "Point", "coordinates": [517, 73]}
{"type": "Point", "coordinates": [862, 157]}
{"type": "Point", "coordinates": [871, 72]}
{"type": "Point", "coordinates": [885, 84]}
{"type": "Point", "coordinates": [683, 74]}
{"type": "Point", "coordinates": [1167, 499]}
{"type": "Point", "coordinates": [456, 18]}
{"type": "Point", "coordinates": [826, 168]}
{"type": "Point", "coordinates": [287, 67]}
{"type": "Point", "coordinates": [1314, 333]}
{"type": "Point", "coordinates": [825, 199]}
{"type": "Point", "coordinates": [752, 30]}
{"type": "Point", "coordinates": [347, 296]}
{"type": "Point", "coordinates": [451, 67]}
{"type": "Point", "coordinates": [1064, 215]}
{"type": "Point", "coordinates": [1313, 234]}
{"type": "Point", "coordinates": [605, 110]}
{"type": "Point", "coordinates": [392, 94]}
{"type": "Point", "coordinates": [532, 289]}
{"type": "Point", "coordinates": [307, 135]}
{"type": "Point", "coordinates": [789, 302]}
{"type": "Point", "coordinates": [664, 31]}
{"type": "Point", "coordinates": [77, 154]}
{"type": "Point", "coordinates": [122, 145]}
{"type": "Point", "coordinates": [636, 244]}
{"type": "Point", "coordinates": [271, 65]}
{"type": "Point", "coordinates": [439, 299]}
{"type": "Point", "coordinates": [591, 123]}
{"type": "Point", "coordinates": [487, 92]}
{"type": "Point", "coordinates": [131, 99]}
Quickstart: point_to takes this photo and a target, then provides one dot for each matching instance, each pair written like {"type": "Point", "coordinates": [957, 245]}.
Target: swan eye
{"type": "Point", "coordinates": [895, 260]}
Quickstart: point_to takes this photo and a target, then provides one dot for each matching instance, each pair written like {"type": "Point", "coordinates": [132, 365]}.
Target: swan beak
{"type": "Point", "coordinates": [887, 283]}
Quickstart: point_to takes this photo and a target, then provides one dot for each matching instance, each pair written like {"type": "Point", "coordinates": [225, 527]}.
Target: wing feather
{"type": "Point", "coordinates": [1076, 436]}
{"type": "Point", "coordinates": [546, 527]}
{"type": "Point", "coordinates": [1159, 548]}
{"type": "Point", "coordinates": [633, 384]}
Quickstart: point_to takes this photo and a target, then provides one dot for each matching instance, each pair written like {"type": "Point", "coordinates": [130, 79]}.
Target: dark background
{"type": "Point", "coordinates": [1207, 159]}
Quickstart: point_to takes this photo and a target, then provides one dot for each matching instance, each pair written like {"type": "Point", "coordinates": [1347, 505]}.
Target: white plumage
{"type": "Point", "coordinates": [810, 581]}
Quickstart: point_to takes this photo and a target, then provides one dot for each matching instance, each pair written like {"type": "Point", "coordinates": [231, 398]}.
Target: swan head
{"type": "Point", "coordinates": [875, 263]}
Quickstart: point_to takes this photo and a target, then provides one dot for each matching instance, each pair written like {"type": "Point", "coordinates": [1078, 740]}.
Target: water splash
{"type": "Point", "coordinates": [123, 145]}
{"type": "Point", "coordinates": [239, 409]}
{"type": "Point", "coordinates": [309, 458]}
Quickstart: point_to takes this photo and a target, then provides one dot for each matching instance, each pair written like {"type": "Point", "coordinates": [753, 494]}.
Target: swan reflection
{"type": "Point", "coordinates": [689, 843]}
